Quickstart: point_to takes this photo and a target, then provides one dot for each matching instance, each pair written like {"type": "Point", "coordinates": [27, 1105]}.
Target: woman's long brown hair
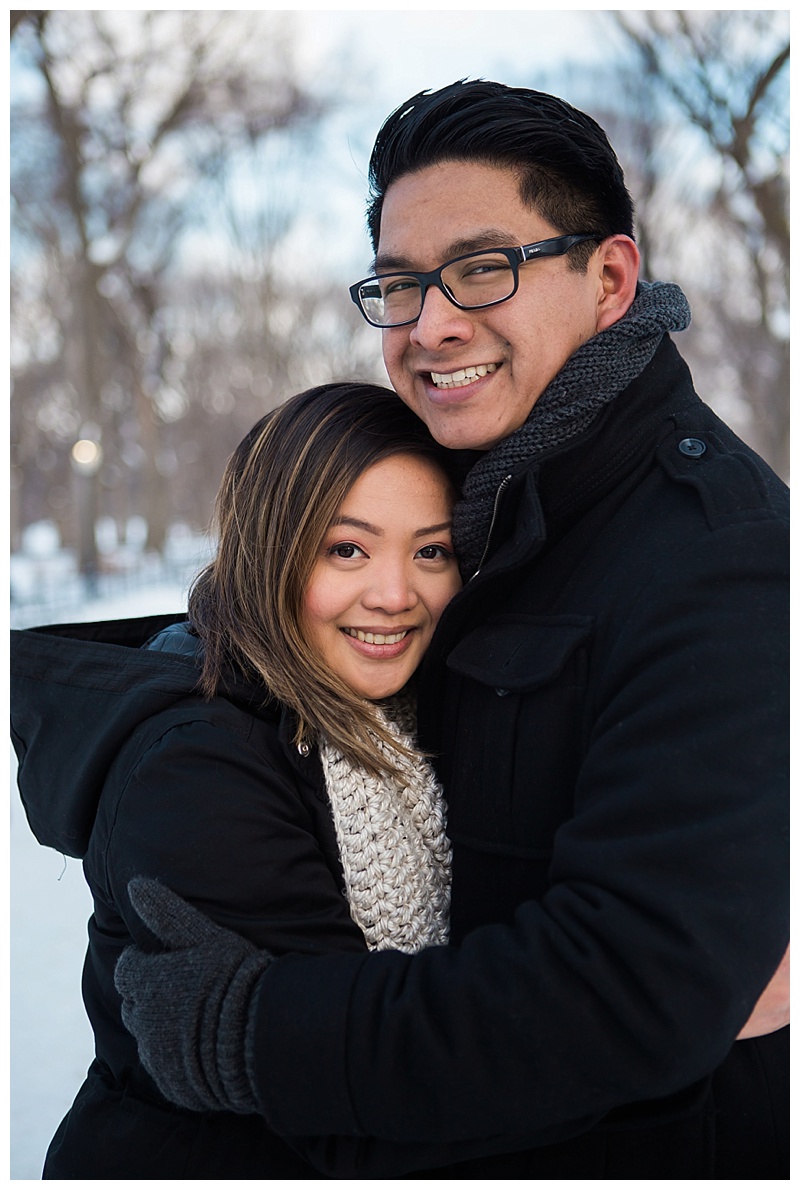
{"type": "Point", "coordinates": [282, 488]}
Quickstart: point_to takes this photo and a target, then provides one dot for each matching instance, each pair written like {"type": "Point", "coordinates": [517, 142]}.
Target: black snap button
{"type": "Point", "coordinates": [501, 692]}
{"type": "Point", "coordinates": [692, 447]}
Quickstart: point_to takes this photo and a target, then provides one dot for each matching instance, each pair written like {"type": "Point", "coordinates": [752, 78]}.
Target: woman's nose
{"type": "Point", "coordinates": [391, 590]}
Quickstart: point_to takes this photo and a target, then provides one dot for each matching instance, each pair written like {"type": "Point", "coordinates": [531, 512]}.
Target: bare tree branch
{"type": "Point", "coordinates": [126, 146]}
{"type": "Point", "coordinates": [726, 72]}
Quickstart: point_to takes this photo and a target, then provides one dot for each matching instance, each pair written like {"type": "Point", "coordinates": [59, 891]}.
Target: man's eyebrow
{"type": "Point", "coordinates": [490, 237]}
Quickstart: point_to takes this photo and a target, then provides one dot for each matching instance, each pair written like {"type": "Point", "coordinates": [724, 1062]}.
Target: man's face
{"type": "Point", "coordinates": [444, 211]}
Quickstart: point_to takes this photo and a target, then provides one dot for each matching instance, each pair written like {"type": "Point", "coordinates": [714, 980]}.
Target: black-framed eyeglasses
{"type": "Point", "coordinates": [471, 282]}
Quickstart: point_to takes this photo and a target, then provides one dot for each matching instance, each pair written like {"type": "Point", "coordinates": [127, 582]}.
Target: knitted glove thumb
{"type": "Point", "coordinates": [188, 1005]}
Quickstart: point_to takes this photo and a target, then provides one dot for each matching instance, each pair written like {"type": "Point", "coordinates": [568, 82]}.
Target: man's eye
{"type": "Point", "coordinates": [399, 285]}
{"type": "Point", "coordinates": [486, 266]}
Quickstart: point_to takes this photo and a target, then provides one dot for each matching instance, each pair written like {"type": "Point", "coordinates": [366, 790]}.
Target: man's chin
{"type": "Point", "coordinates": [461, 429]}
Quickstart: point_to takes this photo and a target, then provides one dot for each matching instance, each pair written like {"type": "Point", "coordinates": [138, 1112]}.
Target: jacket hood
{"type": "Point", "coordinates": [78, 691]}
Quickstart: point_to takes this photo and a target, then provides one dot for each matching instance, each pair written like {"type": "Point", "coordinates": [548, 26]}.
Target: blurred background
{"type": "Point", "coordinates": [187, 211]}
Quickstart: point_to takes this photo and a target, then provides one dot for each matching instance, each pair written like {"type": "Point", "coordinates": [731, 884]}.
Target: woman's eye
{"type": "Point", "coordinates": [345, 549]}
{"type": "Point", "coordinates": [433, 553]}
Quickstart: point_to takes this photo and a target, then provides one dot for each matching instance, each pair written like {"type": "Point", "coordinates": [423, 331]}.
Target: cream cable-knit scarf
{"type": "Point", "coordinates": [392, 842]}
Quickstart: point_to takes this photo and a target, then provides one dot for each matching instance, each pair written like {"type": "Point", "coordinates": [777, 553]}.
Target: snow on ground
{"type": "Point", "coordinates": [51, 1042]}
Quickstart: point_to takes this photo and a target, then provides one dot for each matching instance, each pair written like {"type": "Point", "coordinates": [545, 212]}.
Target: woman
{"type": "Point", "coordinates": [257, 757]}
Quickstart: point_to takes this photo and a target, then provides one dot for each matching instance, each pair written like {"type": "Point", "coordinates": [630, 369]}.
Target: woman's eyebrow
{"type": "Point", "coordinates": [357, 524]}
{"type": "Point", "coordinates": [434, 529]}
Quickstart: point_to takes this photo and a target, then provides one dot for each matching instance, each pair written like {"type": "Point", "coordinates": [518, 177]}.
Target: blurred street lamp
{"type": "Point", "coordinates": [86, 456]}
{"type": "Point", "coordinates": [86, 459]}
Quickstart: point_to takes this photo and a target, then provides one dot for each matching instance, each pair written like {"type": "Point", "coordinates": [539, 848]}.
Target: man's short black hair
{"type": "Point", "coordinates": [567, 170]}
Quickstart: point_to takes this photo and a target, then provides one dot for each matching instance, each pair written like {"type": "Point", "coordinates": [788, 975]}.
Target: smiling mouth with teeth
{"type": "Point", "coordinates": [463, 377]}
{"type": "Point", "coordinates": [376, 638]}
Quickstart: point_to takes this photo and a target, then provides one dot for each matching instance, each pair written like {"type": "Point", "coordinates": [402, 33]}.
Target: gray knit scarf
{"type": "Point", "coordinates": [598, 371]}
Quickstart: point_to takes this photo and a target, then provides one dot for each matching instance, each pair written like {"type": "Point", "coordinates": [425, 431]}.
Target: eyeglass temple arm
{"type": "Point", "coordinates": [557, 246]}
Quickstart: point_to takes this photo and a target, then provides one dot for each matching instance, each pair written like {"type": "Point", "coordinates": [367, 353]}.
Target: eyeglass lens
{"type": "Point", "coordinates": [474, 281]}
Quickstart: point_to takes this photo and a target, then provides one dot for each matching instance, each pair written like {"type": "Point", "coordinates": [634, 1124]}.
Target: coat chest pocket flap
{"type": "Point", "coordinates": [519, 653]}
{"type": "Point", "coordinates": [515, 706]}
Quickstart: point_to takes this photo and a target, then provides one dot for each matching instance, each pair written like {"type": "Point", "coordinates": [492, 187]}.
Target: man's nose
{"type": "Point", "coordinates": [440, 321]}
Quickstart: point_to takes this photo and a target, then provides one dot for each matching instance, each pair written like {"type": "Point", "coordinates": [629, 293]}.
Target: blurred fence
{"type": "Point", "coordinates": [46, 586]}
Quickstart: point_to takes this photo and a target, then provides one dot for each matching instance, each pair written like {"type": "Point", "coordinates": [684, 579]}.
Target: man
{"type": "Point", "coordinates": [606, 697]}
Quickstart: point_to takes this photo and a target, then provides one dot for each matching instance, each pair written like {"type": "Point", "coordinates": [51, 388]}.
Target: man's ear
{"type": "Point", "coordinates": [617, 265]}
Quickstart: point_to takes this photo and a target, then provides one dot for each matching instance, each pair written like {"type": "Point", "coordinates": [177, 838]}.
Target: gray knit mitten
{"type": "Point", "coordinates": [187, 1006]}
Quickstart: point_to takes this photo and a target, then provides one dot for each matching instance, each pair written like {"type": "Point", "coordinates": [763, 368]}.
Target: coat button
{"type": "Point", "coordinates": [304, 749]}
{"type": "Point", "coordinates": [501, 692]}
{"type": "Point", "coordinates": [692, 447]}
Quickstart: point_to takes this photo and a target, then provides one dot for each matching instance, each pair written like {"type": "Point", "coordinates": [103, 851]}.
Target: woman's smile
{"type": "Point", "coordinates": [376, 636]}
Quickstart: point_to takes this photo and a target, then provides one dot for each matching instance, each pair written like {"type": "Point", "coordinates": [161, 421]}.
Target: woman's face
{"type": "Point", "coordinates": [384, 574]}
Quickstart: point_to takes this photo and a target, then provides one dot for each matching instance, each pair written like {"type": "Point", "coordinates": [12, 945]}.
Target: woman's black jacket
{"type": "Point", "coordinates": [122, 764]}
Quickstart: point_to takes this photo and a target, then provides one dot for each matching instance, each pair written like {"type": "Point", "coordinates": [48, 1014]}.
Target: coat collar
{"type": "Point", "coordinates": [544, 497]}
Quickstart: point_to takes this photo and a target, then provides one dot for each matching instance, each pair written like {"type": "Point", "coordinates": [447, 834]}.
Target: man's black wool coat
{"type": "Point", "coordinates": [609, 699]}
